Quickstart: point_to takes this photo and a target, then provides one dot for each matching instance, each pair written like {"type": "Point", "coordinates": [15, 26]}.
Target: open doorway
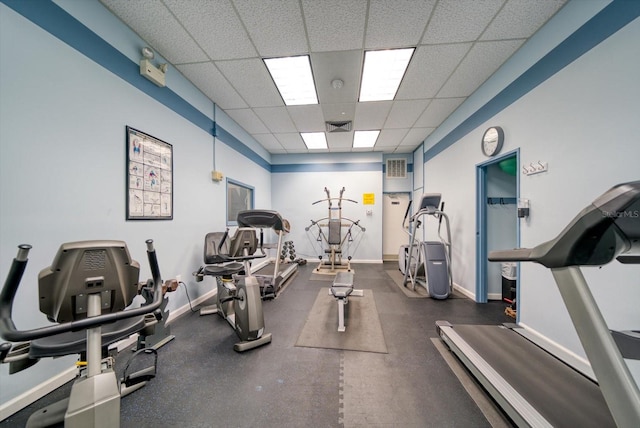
{"type": "Point", "coordinates": [497, 225]}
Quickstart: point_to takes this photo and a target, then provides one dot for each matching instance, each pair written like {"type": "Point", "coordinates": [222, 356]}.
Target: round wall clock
{"type": "Point", "coordinates": [492, 141]}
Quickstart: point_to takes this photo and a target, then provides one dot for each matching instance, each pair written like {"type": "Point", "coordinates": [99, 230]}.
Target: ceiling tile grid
{"type": "Point", "coordinates": [248, 120]}
{"type": "Point", "coordinates": [251, 79]}
{"type": "Point", "coordinates": [479, 64]}
{"type": "Point", "coordinates": [460, 20]}
{"type": "Point", "coordinates": [213, 84]}
{"type": "Point", "coordinates": [520, 19]}
{"type": "Point", "coordinates": [397, 23]}
{"type": "Point", "coordinates": [277, 119]}
{"type": "Point", "coordinates": [429, 69]}
{"type": "Point", "coordinates": [215, 26]}
{"type": "Point", "coordinates": [169, 39]}
{"type": "Point", "coordinates": [275, 27]}
{"type": "Point", "coordinates": [437, 111]}
{"type": "Point", "coordinates": [219, 45]}
{"type": "Point", "coordinates": [335, 25]}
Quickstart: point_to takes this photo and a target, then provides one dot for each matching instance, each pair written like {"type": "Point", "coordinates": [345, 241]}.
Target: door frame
{"type": "Point", "coordinates": [409, 194]}
{"type": "Point", "coordinates": [481, 224]}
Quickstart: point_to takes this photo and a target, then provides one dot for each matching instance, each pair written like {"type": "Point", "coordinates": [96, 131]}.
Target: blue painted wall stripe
{"type": "Point", "coordinates": [327, 167]}
{"type": "Point", "coordinates": [56, 21]}
{"type": "Point", "coordinates": [409, 168]}
{"type": "Point", "coordinates": [608, 21]}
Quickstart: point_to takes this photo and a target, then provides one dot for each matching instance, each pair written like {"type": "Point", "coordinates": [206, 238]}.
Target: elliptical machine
{"type": "Point", "coordinates": [238, 299]}
{"type": "Point", "coordinates": [428, 263]}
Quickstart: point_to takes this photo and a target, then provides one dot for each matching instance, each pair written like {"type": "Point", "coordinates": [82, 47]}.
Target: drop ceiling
{"type": "Point", "coordinates": [219, 45]}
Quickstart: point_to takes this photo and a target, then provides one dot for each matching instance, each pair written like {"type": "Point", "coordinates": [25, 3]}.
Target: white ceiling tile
{"type": "Point", "coordinates": [275, 27]}
{"type": "Point", "coordinates": [396, 23]}
{"type": "Point", "coordinates": [429, 69]}
{"type": "Point", "coordinates": [335, 25]}
{"type": "Point", "coordinates": [371, 115]}
{"type": "Point", "coordinates": [215, 26]}
{"type": "Point", "coordinates": [437, 111]}
{"type": "Point", "coordinates": [337, 112]}
{"type": "Point", "coordinates": [404, 114]}
{"type": "Point", "coordinates": [391, 137]}
{"type": "Point", "coordinates": [248, 120]}
{"type": "Point", "coordinates": [416, 136]}
{"type": "Point", "coordinates": [169, 39]}
{"type": "Point", "coordinates": [340, 141]}
{"type": "Point", "coordinates": [268, 141]}
{"type": "Point", "coordinates": [291, 141]}
{"type": "Point", "coordinates": [276, 119]}
{"type": "Point", "coordinates": [460, 20]}
{"type": "Point", "coordinates": [307, 118]}
{"type": "Point", "coordinates": [213, 84]}
{"type": "Point", "coordinates": [521, 18]}
{"type": "Point", "coordinates": [252, 81]}
{"type": "Point", "coordinates": [480, 63]}
{"type": "Point", "coordinates": [450, 64]}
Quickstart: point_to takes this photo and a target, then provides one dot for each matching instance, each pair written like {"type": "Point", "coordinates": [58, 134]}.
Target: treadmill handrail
{"type": "Point", "coordinates": [261, 219]}
{"type": "Point", "coordinates": [8, 328]}
{"type": "Point", "coordinates": [593, 238]}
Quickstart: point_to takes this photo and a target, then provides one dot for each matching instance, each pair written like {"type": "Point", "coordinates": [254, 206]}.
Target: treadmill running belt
{"type": "Point", "coordinates": [563, 396]}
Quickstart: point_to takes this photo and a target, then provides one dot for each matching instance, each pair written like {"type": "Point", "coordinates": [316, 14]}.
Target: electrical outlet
{"type": "Point", "coordinates": [179, 278]}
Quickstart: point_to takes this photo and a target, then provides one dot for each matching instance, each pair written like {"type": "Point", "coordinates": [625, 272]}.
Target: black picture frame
{"type": "Point", "coordinates": [149, 177]}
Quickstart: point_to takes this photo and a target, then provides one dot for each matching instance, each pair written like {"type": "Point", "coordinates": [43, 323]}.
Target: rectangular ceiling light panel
{"type": "Point", "coordinates": [294, 79]}
{"type": "Point", "coordinates": [365, 139]}
{"type": "Point", "coordinates": [314, 140]}
{"type": "Point", "coordinates": [382, 73]}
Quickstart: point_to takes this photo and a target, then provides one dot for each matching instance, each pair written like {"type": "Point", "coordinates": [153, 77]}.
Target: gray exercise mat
{"type": "Point", "coordinates": [420, 292]}
{"type": "Point", "coordinates": [364, 332]}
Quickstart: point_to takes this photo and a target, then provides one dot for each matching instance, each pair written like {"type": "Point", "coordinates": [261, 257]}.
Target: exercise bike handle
{"type": "Point", "coordinates": [8, 330]}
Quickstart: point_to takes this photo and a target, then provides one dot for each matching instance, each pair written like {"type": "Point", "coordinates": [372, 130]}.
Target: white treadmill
{"type": "Point", "coordinates": [532, 386]}
{"type": "Point", "coordinates": [275, 274]}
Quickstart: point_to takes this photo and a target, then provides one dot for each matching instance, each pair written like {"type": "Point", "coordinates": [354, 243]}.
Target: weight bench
{"type": "Point", "coordinates": [341, 289]}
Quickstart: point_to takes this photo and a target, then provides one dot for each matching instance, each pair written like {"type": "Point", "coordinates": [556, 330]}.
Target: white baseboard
{"type": "Point", "coordinates": [464, 291]}
{"type": "Point", "coordinates": [37, 392]}
{"type": "Point", "coordinates": [186, 308]}
{"type": "Point", "coordinates": [494, 296]}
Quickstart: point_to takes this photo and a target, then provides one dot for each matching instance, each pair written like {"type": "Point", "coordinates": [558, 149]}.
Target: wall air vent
{"type": "Point", "coordinates": [396, 168]}
{"type": "Point", "coordinates": [342, 126]}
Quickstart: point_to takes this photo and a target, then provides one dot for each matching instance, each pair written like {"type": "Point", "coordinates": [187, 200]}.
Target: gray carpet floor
{"type": "Point", "coordinates": [202, 382]}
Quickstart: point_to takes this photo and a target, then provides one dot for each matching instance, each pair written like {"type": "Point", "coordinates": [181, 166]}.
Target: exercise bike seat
{"type": "Point", "coordinates": [223, 270]}
{"type": "Point", "coordinates": [75, 342]}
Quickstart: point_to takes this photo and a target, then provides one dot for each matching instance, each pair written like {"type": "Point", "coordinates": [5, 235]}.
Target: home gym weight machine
{"type": "Point", "coordinates": [85, 291]}
{"type": "Point", "coordinates": [428, 263]}
{"type": "Point", "coordinates": [333, 239]}
{"type": "Point", "coordinates": [238, 292]}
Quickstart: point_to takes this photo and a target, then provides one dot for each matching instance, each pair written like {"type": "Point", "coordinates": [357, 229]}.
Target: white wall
{"type": "Point", "coordinates": [583, 122]}
{"type": "Point", "coordinates": [293, 194]}
{"type": "Point", "coordinates": [63, 163]}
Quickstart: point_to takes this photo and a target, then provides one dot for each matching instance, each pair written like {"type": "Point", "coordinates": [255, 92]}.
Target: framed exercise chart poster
{"type": "Point", "coordinates": [149, 177]}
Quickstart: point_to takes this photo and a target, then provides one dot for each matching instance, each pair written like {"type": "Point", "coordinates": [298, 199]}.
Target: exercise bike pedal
{"type": "Point", "coordinates": [143, 375]}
